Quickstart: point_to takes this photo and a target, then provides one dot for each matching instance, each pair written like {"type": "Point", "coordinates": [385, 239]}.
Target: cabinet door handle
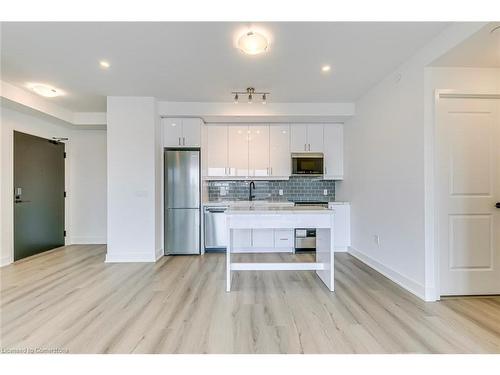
{"type": "Point", "coordinates": [309, 147]}
{"type": "Point", "coordinates": [326, 170]}
{"type": "Point", "coordinates": [305, 146]}
{"type": "Point", "coordinates": [179, 141]}
{"type": "Point", "coordinates": [183, 141]}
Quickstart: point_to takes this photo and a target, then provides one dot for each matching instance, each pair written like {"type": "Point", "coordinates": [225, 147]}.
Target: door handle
{"type": "Point", "coordinates": [20, 201]}
{"type": "Point", "coordinates": [179, 141]}
{"type": "Point", "coordinates": [183, 141]}
{"type": "Point", "coordinates": [497, 205]}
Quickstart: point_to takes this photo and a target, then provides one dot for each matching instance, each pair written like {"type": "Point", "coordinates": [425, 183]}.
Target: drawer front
{"type": "Point", "coordinates": [283, 238]}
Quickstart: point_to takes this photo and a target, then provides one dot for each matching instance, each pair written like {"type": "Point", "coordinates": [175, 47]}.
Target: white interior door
{"type": "Point", "coordinates": [468, 181]}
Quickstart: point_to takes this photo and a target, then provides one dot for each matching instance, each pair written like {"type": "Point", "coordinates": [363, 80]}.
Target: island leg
{"type": "Point", "coordinates": [228, 259]}
{"type": "Point", "coordinates": [324, 254]}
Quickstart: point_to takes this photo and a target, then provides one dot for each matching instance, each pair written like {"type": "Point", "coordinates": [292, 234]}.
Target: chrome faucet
{"type": "Point", "coordinates": [250, 196]}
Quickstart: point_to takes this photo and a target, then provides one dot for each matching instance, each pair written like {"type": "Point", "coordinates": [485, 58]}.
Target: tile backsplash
{"type": "Point", "coordinates": [296, 188]}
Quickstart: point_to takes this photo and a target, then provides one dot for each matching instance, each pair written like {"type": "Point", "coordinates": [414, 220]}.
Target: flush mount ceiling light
{"type": "Point", "coordinates": [45, 90]}
{"type": "Point", "coordinates": [326, 68]}
{"type": "Point", "coordinates": [253, 43]}
{"type": "Point", "coordinates": [104, 64]}
{"type": "Point", "coordinates": [250, 93]}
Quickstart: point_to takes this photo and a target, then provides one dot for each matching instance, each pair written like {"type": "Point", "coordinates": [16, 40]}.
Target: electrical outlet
{"type": "Point", "coordinates": [325, 192]}
{"type": "Point", "coordinates": [376, 239]}
{"type": "Point", "coordinates": [280, 192]}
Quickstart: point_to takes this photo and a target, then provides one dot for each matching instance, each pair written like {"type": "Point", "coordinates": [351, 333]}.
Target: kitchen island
{"type": "Point", "coordinates": [284, 218]}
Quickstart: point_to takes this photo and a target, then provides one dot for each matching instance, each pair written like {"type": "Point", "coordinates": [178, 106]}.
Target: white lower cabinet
{"type": "Point", "coordinates": [284, 239]}
{"type": "Point", "coordinates": [242, 238]}
{"type": "Point", "coordinates": [263, 240]}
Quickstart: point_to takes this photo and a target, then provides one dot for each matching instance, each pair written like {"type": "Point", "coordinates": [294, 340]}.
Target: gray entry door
{"type": "Point", "coordinates": [38, 195]}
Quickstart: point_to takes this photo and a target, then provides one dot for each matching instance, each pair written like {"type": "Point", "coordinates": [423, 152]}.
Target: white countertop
{"type": "Point", "coordinates": [247, 204]}
{"type": "Point", "coordinates": [293, 210]}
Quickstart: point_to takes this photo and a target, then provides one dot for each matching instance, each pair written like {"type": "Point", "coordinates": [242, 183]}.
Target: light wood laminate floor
{"type": "Point", "coordinates": [69, 299]}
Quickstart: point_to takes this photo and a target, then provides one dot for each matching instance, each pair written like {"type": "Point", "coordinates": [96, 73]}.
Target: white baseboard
{"type": "Point", "coordinates": [130, 258]}
{"type": "Point", "coordinates": [5, 261]}
{"type": "Point", "coordinates": [87, 240]}
{"type": "Point", "coordinates": [409, 284]}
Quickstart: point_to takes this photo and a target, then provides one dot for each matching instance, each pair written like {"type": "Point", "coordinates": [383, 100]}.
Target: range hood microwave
{"type": "Point", "coordinates": [307, 164]}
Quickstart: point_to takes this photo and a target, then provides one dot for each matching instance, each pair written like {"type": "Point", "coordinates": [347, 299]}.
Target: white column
{"type": "Point", "coordinates": [133, 180]}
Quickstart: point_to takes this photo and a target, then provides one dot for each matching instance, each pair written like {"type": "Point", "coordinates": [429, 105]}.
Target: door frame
{"type": "Point", "coordinates": [432, 262]}
{"type": "Point", "coordinates": [8, 194]}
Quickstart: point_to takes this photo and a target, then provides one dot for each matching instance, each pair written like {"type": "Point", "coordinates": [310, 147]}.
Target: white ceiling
{"type": "Point", "coordinates": [198, 61]}
{"type": "Point", "coordinates": [481, 50]}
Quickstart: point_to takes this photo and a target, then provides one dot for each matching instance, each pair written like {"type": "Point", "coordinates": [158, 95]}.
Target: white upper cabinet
{"type": "Point", "coordinates": [172, 132]}
{"type": "Point", "coordinates": [298, 138]}
{"type": "Point", "coordinates": [258, 150]}
{"type": "Point", "coordinates": [181, 132]}
{"type": "Point", "coordinates": [191, 132]}
{"type": "Point", "coordinates": [334, 152]}
{"type": "Point", "coordinates": [279, 157]}
{"type": "Point", "coordinates": [305, 138]}
{"type": "Point", "coordinates": [315, 138]}
{"type": "Point", "coordinates": [238, 150]}
{"type": "Point", "coordinates": [217, 150]}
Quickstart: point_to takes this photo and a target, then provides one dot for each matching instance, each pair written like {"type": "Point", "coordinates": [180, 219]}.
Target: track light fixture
{"type": "Point", "coordinates": [250, 93]}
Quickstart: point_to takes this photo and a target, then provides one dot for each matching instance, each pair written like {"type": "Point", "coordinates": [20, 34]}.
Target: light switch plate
{"type": "Point", "coordinates": [325, 192]}
{"type": "Point", "coordinates": [281, 192]}
{"type": "Point", "coordinates": [222, 191]}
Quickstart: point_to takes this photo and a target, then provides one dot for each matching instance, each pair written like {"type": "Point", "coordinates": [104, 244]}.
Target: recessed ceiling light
{"type": "Point", "coordinates": [45, 90]}
{"type": "Point", "coordinates": [104, 64]}
{"type": "Point", "coordinates": [326, 68]}
{"type": "Point", "coordinates": [253, 43]}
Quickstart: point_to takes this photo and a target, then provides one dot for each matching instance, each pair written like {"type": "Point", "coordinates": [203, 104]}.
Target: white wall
{"type": "Point", "coordinates": [386, 169]}
{"type": "Point", "coordinates": [88, 223]}
{"type": "Point", "coordinates": [133, 205]}
{"type": "Point", "coordinates": [88, 191]}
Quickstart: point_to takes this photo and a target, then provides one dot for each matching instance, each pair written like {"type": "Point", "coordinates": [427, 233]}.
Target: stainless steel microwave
{"type": "Point", "coordinates": [307, 164]}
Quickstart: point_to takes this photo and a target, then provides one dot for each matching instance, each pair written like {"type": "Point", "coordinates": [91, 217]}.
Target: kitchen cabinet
{"type": "Point", "coordinates": [263, 238]}
{"type": "Point", "coordinates": [217, 150]}
{"type": "Point", "coordinates": [258, 151]}
{"type": "Point", "coordinates": [334, 152]}
{"type": "Point", "coordinates": [172, 132]}
{"type": "Point", "coordinates": [306, 138]}
{"type": "Point", "coordinates": [181, 132]}
{"type": "Point", "coordinates": [191, 132]}
{"type": "Point", "coordinates": [279, 151]}
{"type": "Point", "coordinates": [238, 150]}
{"type": "Point", "coordinates": [284, 239]}
{"type": "Point", "coordinates": [242, 239]}
{"type": "Point", "coordinates": [315, 138]}
{"type": "Point", "coordinates": [298, 138]}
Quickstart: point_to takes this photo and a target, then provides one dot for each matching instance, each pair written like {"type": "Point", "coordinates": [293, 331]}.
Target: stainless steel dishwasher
{"type": "Point", "coordinates": [215, 227]}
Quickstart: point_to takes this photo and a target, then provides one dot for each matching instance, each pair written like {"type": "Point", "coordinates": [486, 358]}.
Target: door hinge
{"type": "Point", "coordinates": [64, 194]}
{"type": "Point", "coordinates": [64, 233]}
{"type": "Point", "coordinates": [64, 155]}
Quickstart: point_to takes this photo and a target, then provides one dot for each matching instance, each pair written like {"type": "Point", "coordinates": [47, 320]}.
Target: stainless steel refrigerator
{"type": "Point", "coordinates": [182, 201]}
